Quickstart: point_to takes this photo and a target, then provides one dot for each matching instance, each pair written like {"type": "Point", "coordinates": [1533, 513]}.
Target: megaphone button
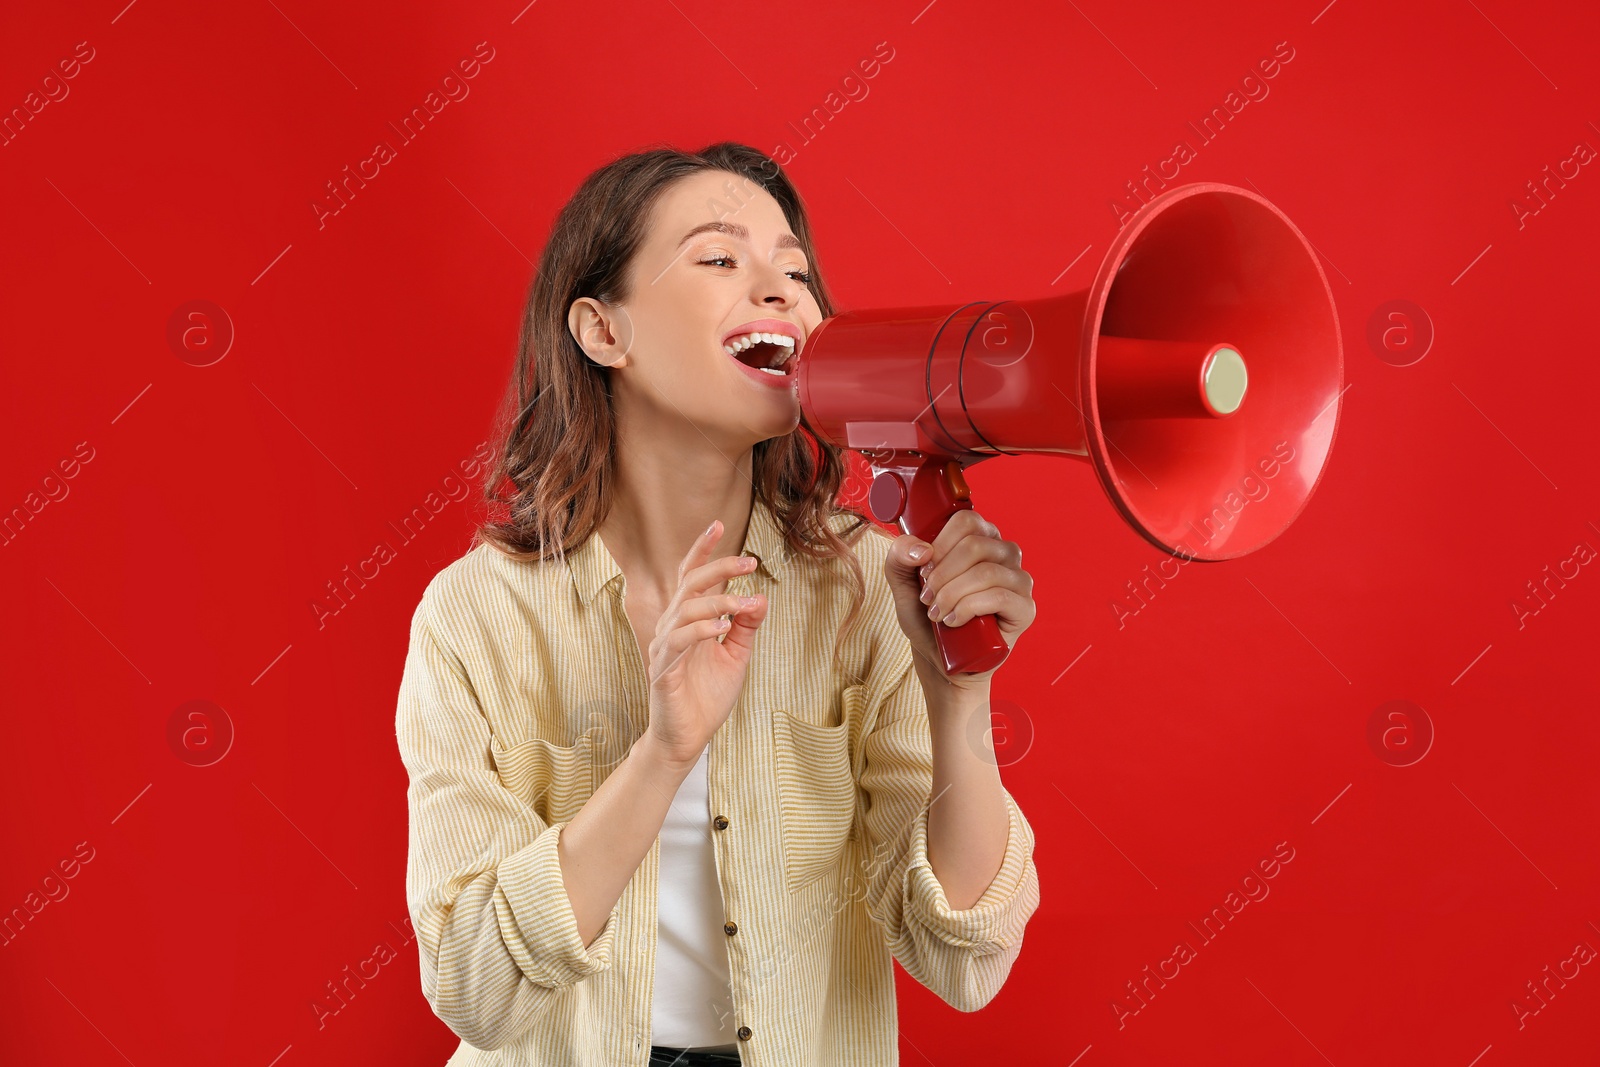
{"type": "Point", "coordinates": [888, 496]}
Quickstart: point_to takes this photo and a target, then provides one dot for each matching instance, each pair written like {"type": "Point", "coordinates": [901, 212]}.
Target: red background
{"type": "Point", "coordinates": [1229, 714]}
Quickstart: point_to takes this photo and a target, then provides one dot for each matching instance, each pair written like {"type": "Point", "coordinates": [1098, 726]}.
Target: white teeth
{"type": "Point", "coordinates": [770, 370]}
{"type": "Point", "coordinates": [744, 341]}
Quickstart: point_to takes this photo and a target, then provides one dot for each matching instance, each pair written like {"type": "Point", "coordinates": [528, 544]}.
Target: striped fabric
{"type": "Point", "coordinates": [523, 687]}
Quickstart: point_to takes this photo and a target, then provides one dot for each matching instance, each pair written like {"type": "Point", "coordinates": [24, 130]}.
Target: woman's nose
{"type": "Point", "coordinates": [775, 285]}
{"type": "Point", "coordinates": [786, 293]}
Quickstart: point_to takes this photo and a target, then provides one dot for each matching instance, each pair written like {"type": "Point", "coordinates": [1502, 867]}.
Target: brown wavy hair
{"type": "Point", "coordinates": [555, 471]}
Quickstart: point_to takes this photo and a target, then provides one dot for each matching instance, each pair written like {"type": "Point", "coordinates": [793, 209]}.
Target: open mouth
{"type": "Point", "coordinates": [771, 353]}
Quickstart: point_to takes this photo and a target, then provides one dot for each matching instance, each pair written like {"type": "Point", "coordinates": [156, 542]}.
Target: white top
{"type": "Point", "coordinates": [691, 1006]}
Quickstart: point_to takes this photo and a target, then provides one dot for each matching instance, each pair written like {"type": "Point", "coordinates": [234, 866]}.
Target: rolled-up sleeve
{"type": "Point", "coordinates": [963, 955]}
{"type": "Point", "coordinates": [496, 933]}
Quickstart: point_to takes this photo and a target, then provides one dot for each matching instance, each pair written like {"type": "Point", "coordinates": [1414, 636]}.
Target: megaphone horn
{"type": "Point", "coordinates": [1208, 344]}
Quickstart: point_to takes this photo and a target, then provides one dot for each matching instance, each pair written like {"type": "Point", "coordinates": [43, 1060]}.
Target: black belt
{"type": "Point", "coordinates": [667, 1056]}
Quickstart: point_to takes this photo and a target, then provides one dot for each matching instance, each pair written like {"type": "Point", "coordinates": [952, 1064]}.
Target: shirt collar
{"type": "Point", "coordinates": [593, 568]}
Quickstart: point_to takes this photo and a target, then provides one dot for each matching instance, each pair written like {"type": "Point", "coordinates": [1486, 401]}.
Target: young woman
{"type": "Point", "coordinates": [685, 771]}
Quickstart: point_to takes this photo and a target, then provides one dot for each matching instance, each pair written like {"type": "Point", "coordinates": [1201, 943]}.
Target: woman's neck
{"type": "Point", "coordinates": [666, 494]}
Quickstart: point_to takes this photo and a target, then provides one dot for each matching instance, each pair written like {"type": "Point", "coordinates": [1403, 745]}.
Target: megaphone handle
{"type": "Point", "coordinates": [936, 492]}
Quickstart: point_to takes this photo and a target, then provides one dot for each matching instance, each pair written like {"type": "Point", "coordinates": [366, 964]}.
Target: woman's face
{"type": "Point", "coordinates": [718, 263]}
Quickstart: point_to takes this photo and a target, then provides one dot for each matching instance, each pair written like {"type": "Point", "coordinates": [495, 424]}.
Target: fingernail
{"type": "Point", "coordinates": [917, 552]}
{"type": "Point", "coordinates": [713, 526]}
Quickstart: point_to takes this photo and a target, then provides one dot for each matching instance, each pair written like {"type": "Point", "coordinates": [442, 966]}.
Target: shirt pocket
{"type": "Point", "coordinates": [816, 790]}
{"type": "Point", "coordinates": [553, 780]}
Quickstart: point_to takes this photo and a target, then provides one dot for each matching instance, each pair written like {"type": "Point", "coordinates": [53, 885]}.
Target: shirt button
{"type": "Point", "coordinates": [730, 928]}
{"type": "Point", "coordinates": [744, 1033]}
{"type": "Point", "coordinates": [720, 822]}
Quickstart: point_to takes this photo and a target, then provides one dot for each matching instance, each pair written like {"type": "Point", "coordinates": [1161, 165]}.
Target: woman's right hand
{"type": "Point", "coordinates": [695, 679]}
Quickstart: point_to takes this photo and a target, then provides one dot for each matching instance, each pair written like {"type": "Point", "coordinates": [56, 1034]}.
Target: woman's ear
{"type": "Point", "coordinates": [601, 330]}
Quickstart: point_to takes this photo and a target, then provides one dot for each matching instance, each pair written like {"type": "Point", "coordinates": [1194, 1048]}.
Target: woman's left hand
{"type": "Point", "coordinates": [969, 572]}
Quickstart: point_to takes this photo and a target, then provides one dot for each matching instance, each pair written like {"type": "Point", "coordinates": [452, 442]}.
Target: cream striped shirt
{"type": "Point", "coordinates": [524, 686]}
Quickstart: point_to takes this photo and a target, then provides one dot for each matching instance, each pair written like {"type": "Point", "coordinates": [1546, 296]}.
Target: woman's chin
{"type": "Point", "coordinates": [765, 421]}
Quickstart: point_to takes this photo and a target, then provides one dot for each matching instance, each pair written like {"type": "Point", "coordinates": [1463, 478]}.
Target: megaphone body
{"type": "Point", "coordinates": [1205, 353]}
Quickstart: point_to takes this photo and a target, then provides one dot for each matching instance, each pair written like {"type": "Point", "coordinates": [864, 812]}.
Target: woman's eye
{"type": "Point", "coordinates": [803, 277]}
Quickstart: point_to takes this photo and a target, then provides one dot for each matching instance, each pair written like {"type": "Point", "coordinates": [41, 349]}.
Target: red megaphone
{"type": "Point", "coordinates": [1205, 357]}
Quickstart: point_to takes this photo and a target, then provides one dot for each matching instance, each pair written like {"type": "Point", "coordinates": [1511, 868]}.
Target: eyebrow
{"type": "Point", "coordinates": [734, 229]}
